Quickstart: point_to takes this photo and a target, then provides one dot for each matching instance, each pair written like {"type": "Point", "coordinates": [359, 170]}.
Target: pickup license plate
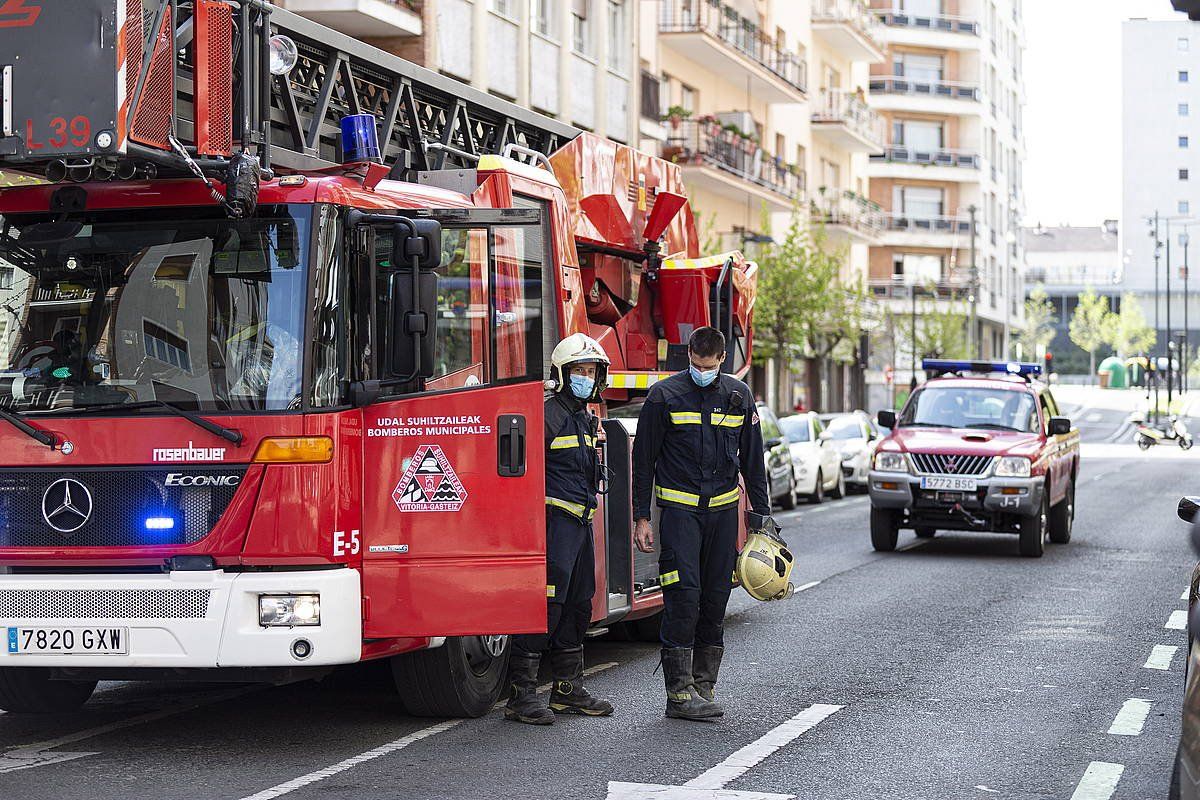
{"type": "Point", "coordinates": [68, 641]}
{"type": "Point", "coordinates": [948, 483]}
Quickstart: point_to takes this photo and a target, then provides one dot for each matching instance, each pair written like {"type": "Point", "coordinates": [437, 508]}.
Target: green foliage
{"type": "Point", "coordinates": [1130, 333]}
{"type": "Point", "coordinates": [942, 329]}
{"type": "Point", "coordinates": [1092, 325]}
{"type": "Point", "coordinates": [1038, 331]}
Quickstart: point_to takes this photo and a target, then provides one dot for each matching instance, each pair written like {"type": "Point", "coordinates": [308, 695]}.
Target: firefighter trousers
{"type": "Point", "coordinates": [696, 562]}
{"type": "Point", "coordinates": [570, 585]}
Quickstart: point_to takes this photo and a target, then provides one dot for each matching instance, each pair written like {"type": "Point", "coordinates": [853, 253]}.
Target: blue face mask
{"type": "Point", "coordinates": [582, 386]}
{"type": "Point", "coordinates": [703, 377]}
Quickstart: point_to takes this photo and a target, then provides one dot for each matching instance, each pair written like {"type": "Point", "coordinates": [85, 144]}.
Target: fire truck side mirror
{"type": "Point", "coordinates": [412, 324]}
{"type": "Point", "coordinates": [426, 245]}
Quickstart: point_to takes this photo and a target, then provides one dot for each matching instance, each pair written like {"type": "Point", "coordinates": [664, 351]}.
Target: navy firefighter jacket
{"type": "Point", "coordinates": [571, 459]}
{"type": "Point", "coordinates": [691, 444]}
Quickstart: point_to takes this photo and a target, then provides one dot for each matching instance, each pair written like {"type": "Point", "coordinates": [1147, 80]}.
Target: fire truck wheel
{"type": "Point", "coordinates": [1035, 529]}
{"type": "Point", "coordinates": [885, 529]}
{"type": "Point", "coordinates": [644, 629]}
{"type": "Point", "coordinates": [1062, 516]}
{"type": "Point", "coordinates": [462, 678]}
{"type": "Point", "coordinates": [29, 690]}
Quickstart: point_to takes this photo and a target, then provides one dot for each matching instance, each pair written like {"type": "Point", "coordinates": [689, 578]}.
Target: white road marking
{"type": "Point", "coordinates": [353, 761]}
{"type": "Point", "coordinates": [710, 784]}
{"type": "Point", "coordinates": [1186, 593]}
{"type": "Point", "coordinates": [1131, 717]}
{"type": "Point", "coordinates": [37, 755]}
{"type": "Point", "coordinates": [1177, 621]}
{"type": "Point", "coordinates": [741, 761]}
{"type": "Point", "coordinates": [1099, 781]}
{"type": "Point", "coordinates": [1160, 657]}
{"type": "Point", "coordinates": [808, 585]}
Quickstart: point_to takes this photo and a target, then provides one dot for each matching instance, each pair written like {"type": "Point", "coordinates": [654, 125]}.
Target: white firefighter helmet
{"type": "Point", "coordinates": [764, 566]}
{"type": "Point", "coordinates": [579, 348]}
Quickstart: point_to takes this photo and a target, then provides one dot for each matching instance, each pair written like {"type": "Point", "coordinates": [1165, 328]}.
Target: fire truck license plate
{"type": "Point", "coordinates": [67, 641]}
{"type": "Point", "coordinates": [948, 483]}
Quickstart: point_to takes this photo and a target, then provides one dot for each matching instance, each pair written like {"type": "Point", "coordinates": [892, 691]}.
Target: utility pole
{"type": "Point", "coordinates": [976, 349]}
{"type": "Point", "coordinates": [912, 384]}
{"type": "Point", "coordinates": [1157, 245]}
{"type": "Point", "coordinates": [1170, 341]}
{"type": "Point", "coordinates": [1183, 356]}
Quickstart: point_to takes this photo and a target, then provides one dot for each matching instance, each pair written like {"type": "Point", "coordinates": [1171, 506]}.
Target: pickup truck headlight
{"type": "Point", "coordinates": [891, 462]}
{"type": "Point", "coordinates": [1013, 467]}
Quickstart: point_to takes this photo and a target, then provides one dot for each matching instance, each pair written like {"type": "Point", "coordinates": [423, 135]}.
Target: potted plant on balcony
{"type": "Point", "coordinates": [676, 115]}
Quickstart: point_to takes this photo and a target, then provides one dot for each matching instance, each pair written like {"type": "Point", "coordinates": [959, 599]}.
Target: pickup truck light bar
{"type": "Point", "coordinates": [948, 366]}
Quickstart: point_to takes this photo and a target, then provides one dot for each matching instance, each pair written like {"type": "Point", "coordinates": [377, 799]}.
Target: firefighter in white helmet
{"type": "Point", "coordinates": [579, 372]}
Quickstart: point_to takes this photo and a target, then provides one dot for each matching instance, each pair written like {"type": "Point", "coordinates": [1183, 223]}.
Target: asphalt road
{"type": "Point", "coordinates": [951, 669]}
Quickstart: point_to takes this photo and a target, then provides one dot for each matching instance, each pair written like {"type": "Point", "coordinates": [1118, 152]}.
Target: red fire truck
{"type": "Point", "coordinates": [273, 329]}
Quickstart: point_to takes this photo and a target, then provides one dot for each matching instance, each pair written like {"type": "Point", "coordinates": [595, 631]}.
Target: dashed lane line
{"type": "Point", "coordinates": [1186, 593]}
{"type": "Point", "coordinates": [1160, 657]}
{"type": "Point", "coordinates": [1131, 717]}
{"type": "Point", "coordinates": [806, 586]}
{"type": "Point", "coordinates": [1099, 781]}
{"type": "Point", "coordinates": [385, 749]}
{"type": "Point", "coordinates": [1177, 621]}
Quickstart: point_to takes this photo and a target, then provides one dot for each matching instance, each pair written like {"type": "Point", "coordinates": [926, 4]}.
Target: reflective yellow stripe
{"type": "Point", "coordinates": [724, 499]}
{"type": "Point", "coordinates": [685, 417]}
{"type": "Point", "coordinates": [635, 380]}
{"type": "Point", "coordinates": [666, 579]}
{"type": "Point", "coordinates": [728, 420]}
{"type": "Point", "coordinates": [675, 496]}
{"type": "Point", "coordinates": [566, 505]}
{"type": "Point", "coordinates": [697, 263]}
{"type": "Point", "coordinates": [549, 590]}
{"type": "Point", "coordinates": [566, 442]}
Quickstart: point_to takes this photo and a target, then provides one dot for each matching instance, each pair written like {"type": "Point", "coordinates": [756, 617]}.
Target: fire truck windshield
{"type": "Point", "coordinates": [951, 406]}
{"type": "Point", "coordinates": [182, 306]}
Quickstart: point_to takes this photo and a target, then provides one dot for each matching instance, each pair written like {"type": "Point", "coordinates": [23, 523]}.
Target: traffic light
{"type": "Point", "coordinates": [1049, 363]}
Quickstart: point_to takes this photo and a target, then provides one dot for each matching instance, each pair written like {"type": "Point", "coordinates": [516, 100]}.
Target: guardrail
{"type": "Point", "coordinates": [942, 157]}
{"type": "Point", "coordinates": [838, 105]}
{"type": "Point", "coordinates": [898, 84]}
{"type": "Point", "coordinates": [724, 23]}
{"type": "Point", "coordinates": [702, 142]}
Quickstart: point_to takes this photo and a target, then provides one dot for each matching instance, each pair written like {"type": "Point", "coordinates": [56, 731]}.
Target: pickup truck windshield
{"type": "Point", "coordinates": [975, 407]}
{"type": "Point", "coordinates": [182, 306]}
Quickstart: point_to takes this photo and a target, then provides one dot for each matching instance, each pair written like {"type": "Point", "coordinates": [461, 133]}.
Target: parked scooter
{"type": "Point", "coordinates": [1147, 435]}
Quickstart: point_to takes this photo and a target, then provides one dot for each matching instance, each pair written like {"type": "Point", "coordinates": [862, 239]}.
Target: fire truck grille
{"type": "Point", "coordinates": [103, 603]}
{"type": "Point", "coordinates": [113, 507]}
{"type": "Point", "coordinates": [938, 464]}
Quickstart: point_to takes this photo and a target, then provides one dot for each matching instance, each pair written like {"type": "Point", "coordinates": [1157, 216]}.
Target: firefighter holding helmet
{"type": "Point", "coordinates": [696, 432]}
{"type": "Point", "coordinates": [579, 370]}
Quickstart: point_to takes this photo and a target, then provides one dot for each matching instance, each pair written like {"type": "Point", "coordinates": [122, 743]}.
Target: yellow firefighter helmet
{"type": "Point", "coordinates": [579, 348]}
{"type": "Point", "coordinates": [764, 566]}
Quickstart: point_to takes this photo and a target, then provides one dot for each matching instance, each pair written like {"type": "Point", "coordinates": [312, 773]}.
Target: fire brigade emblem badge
{"type": "Point", "coordinates": [429, 483]}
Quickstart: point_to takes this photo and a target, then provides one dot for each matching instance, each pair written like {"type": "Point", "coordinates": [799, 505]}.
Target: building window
{"type": "Point", "coordinates": [1183, 109]}
{"type": "Point", "coordinates": [541, 17]}
{"type": "Point", "coordinates": [687, 97]}
{"type": "Point", "coordinates": [1183, 141]}
{"type": "Point", "coordinates": [1183, 76]}
{"type": "Point", "coordinates": [921, 68]}
{"type": "Point", "coordinates": [6, 277]}
{"type": "Point", "coordinates": [581, 29]}
{"type": "Point", "coordinates": [618, 37]}
{"type": "Point", "coordinates": [920, 135]}
{"type": "Point", "coordinates": [505, 7]}
{"type": "Point", "coordinates": [916, 268]}
{"type": "Point", "coordinates": [165, 346]}
{"type": "Point", "coordinates": [919, 202]}
{"type": "Point", "coordinates": [1182, 43]}
{"type": "Point", "coordinates": [1184, 207]}
{"type": "Point", "coordinates": [1183, 174]}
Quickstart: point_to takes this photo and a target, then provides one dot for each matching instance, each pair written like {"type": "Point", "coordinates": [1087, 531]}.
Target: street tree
{"type": "Point", "coordinates": [1038, 330]}
{"type": "Point", "coordinates": [1131, 334]}
{"type": "Point", "coordinates": [1092, 325]}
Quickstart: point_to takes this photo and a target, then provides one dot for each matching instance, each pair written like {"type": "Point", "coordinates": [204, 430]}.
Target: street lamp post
{"type": "Point", "coordinates": [1157, 249]}
{"type": "Point", "coordinates": [1170, 342]}
{"type": "Point", "coordinates": [974, 336]}
{"type": "Point", "coordinates": [912, 384]}
{"type": "Point", "coordinates": [1183, 356]}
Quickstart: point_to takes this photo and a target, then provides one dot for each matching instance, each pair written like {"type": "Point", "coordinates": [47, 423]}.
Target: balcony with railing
{"type": "Point", "coordinates": [925, 94]}
{"type": "Point", "coordinates": [849, 26]}
{"type": "Point", "coordinates": [731, 163]}
{"type": "Point", "coordinates": [846, 120]}
{"type": "Point", "coordinates": [715, 35]}
{"type": "Point", "coordinates": [847, 214]}
{"type": "Point", "coordinates": [376, 19]}
{"type": "Point", "coordinates": [940, 164]}
{"type": "Point", "coordinates": [941, 290]}
{"type": "Point", "coordinates": [921, 229]}
{"type": "Point", "coordinates": [938, 30]}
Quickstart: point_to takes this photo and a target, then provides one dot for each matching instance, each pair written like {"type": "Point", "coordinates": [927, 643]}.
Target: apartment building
{"type": "Point", "coordinates": [574, 60]}
{"type": "Point", "coordinates": [950, 179]}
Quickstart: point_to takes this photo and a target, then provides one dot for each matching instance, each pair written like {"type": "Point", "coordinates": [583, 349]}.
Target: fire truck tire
{"type": "Point", "coordinates": [1035, 529]}
{"type": "Point", "coordinates": [462, 678]}
{"type": "Point", "coordinates": [29, 690]}
{"type": "Point", "coordinates": [644, 629]}
{"type": "Point", "coordinates": [1062, 516]}
{"type": "Point", "coordinates": [885, 529]}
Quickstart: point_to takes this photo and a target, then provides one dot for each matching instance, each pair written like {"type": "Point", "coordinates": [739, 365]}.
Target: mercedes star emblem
{"type": "Point", "coordinates": [66, 505]}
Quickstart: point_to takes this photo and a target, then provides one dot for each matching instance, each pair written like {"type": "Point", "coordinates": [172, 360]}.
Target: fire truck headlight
{"type": "Point", "coordinates": [1012, 467]}
{"type": "Point", "coordinates": [289, 610]}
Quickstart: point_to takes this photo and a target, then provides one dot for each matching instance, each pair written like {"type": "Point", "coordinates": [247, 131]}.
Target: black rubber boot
{"type": "Point", "coordinates": [683, 701]}
{"type": "Point", "coordinates": [569, 696]}
{"type": "Point", "coordinates": [706, 663]}
{"type": "Point", "coordinates": [524, 706]}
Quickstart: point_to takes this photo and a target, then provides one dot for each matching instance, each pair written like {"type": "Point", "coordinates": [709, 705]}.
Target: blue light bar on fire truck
{"type": "Point", "coordinates": [943, 366]}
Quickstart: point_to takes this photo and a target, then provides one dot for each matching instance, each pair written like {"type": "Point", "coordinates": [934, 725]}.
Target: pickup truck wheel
{"type": "Point", "coordinates": [1062, 516]}
{"type": "Point", "coordinates": [29, 690]}
{"type": "Point", "coordinates": [1034, 530]}
{"type": "Point", "coordinates": [885, 529]}
{"type": "Point", "coordinates": [925, 533]}
{"type": "Point", "coordinates": [789, 500]}
{"type": "Point", "coordinates": [462, 678]}
{"type": "Point", "coordinates": [818, 492]}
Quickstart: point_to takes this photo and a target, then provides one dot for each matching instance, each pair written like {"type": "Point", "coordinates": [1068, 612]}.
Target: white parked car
{"type": "Point", "coordinates": [855, 438]}
{"type": "Point", "coordinates": [816, 462]}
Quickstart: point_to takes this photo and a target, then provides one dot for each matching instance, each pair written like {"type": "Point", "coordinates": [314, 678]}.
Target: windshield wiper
{"type": "Point", "coordinates": [921, 425]}
{"type": "Point", "coordinates": [228, 434]}
{"type": "Point", "coordinates": [993, 426]}
{"type": "Point", "coordinates": [45, 437]}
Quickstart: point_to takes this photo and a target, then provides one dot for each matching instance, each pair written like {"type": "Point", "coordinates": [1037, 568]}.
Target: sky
{"type": "Point", "coordinates": [1073, 108]}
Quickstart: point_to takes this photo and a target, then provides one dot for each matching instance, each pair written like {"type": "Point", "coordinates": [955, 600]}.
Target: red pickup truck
{"type": "Point", "coordinates": [979, 447]}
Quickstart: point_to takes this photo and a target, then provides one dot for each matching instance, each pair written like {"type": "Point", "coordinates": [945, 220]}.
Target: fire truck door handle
{"type": "Point", "coordinates": [510, 441]}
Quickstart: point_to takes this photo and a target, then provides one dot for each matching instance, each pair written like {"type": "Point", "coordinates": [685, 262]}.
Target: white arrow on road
{"type": "Point", "coordinates": [709, 785]}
